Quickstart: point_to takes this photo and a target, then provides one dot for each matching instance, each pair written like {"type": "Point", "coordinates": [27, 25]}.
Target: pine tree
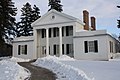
{"type": "Point", "coordinates": [24, 26]}
{"type": "Point", "coordinates": [28, 16]}
{"type": "Point", "coordinates": [118, 20]}
{"type": "Point", "coordinates": [7, 19]}
{"type": "Point", "coordinates": [55, 4]}
{"type": "Point", "coordinates": [35, 13]}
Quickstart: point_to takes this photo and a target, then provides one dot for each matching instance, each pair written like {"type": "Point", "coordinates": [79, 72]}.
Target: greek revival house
{"type": "Point", "coordinates": [56, 33]}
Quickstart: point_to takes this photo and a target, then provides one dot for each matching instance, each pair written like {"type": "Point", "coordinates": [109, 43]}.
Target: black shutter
{"type": "Point", "coordinates": [62, 31]}
{"type": "Point", "coordinates": [54, 32]}
{"type": "Point", "coordinates": [42, 33]}
{"type": "Point", "coordinates": [18, 49]}
{"type": "Point", "coordinates": [26, 49]}
{"type": "Point", "coordinates": [86, 46]}
{"type": "Point", "coordinates": [63, 48]}
{"type": "Point", "coordinates": [49, 50]}
{"type": "Point", "coordinates": [50, 32]}
{"type": "Point", "coordinates": [67, 48]}
{"type": "Point", "coordinates": [67, 31]}
{"type": "Point", "coordinates": [96, 45]}
{"type": "Point", "coordinates": [54, 49]}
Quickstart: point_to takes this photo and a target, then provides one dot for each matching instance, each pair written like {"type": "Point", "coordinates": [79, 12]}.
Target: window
{"type": "Point", "coordinates": [69, 30]}
{"type": "Point", "coordinates": [43, 33]}
{"type": "Point", "coordinates": [111, 46]}
{"type": "Point", "coordinates": [91, 46]}
{"type": "Point", "coordinates": [43, 50]}
{"type": "Point", "coordinates": [22, 49]}
{"type": "Point", "coordinates": [69, 48]}
{"type": "Point", "coordinates": [56, 49]}
{"type": "Point", "coordinates": [55, 32]}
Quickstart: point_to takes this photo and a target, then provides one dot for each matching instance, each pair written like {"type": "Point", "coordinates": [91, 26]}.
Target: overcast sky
{"type": "Point", "coordinates": [105, 11]}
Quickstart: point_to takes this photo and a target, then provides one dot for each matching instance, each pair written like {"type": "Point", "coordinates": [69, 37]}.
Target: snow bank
{"type": "Point", "coordinates": [12, 71]}
{"type": "Point", "coordinates": [65, 58]}
{"type": "Point", "coordinates": [15, 59]}
{"type": "Point", "coordinates": [64, 72]}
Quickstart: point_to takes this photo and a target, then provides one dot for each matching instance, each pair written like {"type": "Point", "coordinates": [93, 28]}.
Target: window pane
{"type": "Point", "coordinates": [91, 46]}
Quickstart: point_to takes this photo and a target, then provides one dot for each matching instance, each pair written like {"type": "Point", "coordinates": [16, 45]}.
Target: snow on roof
{"type": "Point", "coordinates": [24, 38]}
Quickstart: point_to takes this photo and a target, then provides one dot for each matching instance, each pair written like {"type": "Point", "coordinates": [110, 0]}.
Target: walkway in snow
{"type": "Point", "coordinates": [38, 73]}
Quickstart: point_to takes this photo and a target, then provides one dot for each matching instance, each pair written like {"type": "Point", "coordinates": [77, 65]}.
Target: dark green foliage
{"type": "Point", "coordinates": [28, 16]}
{"type": "Point", "coordinates": [7, 19]}
{"type": "Point", "coordinates": [55, 4]}
{"type": "Point", "coordinates": [118, 23]}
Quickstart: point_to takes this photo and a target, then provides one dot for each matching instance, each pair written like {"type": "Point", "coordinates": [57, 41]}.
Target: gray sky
{"type": "Point", "coordinates": [105, 11]}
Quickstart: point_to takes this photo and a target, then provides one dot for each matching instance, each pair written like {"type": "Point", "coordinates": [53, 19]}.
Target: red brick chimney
{"type": "Point", "coordinates": [93, 23]}
{"type": "Point", "coordinates": [86, 19]}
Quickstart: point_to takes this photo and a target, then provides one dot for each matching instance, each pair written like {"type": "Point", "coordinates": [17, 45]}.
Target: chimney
{"type": "Point", "coordinates": [86, 19]}
{"type": "Point", "coordinates": [93, 23]}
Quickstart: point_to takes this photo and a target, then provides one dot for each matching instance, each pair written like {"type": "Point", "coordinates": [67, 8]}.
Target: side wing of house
{"type": "Point", "coordinates": [23, 48]}
{"type": "Point", "coordinates": [92, 45]}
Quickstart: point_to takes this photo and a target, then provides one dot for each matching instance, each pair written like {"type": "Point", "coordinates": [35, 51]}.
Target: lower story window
{"type": "Point", "coordinates": [44, 50]}
{"type": "Point", "coordinates": [91, 46]}
{"type": "Point", "coordinates": [22, 49]}
{"type": "Point", "coordinates": [56, 49]}
{"type": "Point", "coordinates": [69, 48]}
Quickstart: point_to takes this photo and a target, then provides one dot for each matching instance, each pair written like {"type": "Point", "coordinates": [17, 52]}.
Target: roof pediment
{"type": "Point", "coordinates": [53, 17]}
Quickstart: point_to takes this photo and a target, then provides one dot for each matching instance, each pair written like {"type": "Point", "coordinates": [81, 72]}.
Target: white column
{"type": "Point", "coordinates": [47, 42]}
{"type": "Point", "coordinates": [60, 39]}
{"type": "Point", "coordinates": [35, 44]}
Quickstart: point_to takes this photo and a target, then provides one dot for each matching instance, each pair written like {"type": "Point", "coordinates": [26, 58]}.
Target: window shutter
{"type": "Point", "coordinates": [62, 31]}
{"type": "Point", "coordinates": [54, 33]}
{"type": "Point", "coordinates": [49, 32]}
{"type": "Point", "coordinates": [54, 49]}
{"type": "Point", "coordinates": [42, 33]}
{"type": "Point", "coordinates": [96, 45]}
{"type": "Point", "coordinates": [67, 49]}
{"type": "Point", "coordinates": [18, 49]}
{"type": "Point", "coordinates": [67, 31]}
{"type": "Point", "coordinates": [86, 46]}
{"type": "Point", "coordinates": [26, 49]}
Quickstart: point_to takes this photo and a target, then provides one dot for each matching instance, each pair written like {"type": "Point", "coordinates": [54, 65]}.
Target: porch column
{"type": "Point", "coordinates": [47, 42]}
{"type": "Point", "coordinates": [60, 40]}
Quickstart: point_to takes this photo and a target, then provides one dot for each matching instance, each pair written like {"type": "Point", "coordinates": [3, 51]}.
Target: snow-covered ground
{"type": "Point", "coordinates": [10, 70]}
{"type": "Point", "coordinates": [70, 69]}
{"type": "Point", "coordinates": [63, 71]}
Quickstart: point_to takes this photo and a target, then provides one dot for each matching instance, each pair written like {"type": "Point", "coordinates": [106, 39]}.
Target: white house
{"type": "Point", "coordinates": [56, 33]}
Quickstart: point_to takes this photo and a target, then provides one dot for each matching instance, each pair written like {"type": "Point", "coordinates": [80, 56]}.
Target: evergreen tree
{"type": "Point", "coordinates": [118, 20]}
{"type": "Point", "coordinates": [35, 13]}
{"type": "Point", "coordinates": [55, 4]}
{"type": "Point", "coordinates": [28, 16]}
{"type": "Point", "coordinates": [7, 19]}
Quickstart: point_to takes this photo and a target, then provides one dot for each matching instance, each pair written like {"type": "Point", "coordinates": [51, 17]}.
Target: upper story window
{"type": "Point", "coordinates": [91, 46]}
{"type": "Point", "coordinates": [69, 30]}
{"type": "Point", "coordinates": [55, 32]}
{"type": "Point", "coordinates": [43, 31]}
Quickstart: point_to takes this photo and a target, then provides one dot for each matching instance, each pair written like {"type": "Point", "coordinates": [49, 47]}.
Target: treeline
{"type": "Point", "coordinates": [9, 28]}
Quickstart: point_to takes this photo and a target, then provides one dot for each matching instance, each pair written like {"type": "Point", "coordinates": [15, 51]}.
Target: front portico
{"type": "Point", "coordinates": [53, 34]}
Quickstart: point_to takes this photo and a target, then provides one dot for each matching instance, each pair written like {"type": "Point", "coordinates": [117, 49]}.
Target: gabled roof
{"type": "Point", "coordinates": [53, 17]}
